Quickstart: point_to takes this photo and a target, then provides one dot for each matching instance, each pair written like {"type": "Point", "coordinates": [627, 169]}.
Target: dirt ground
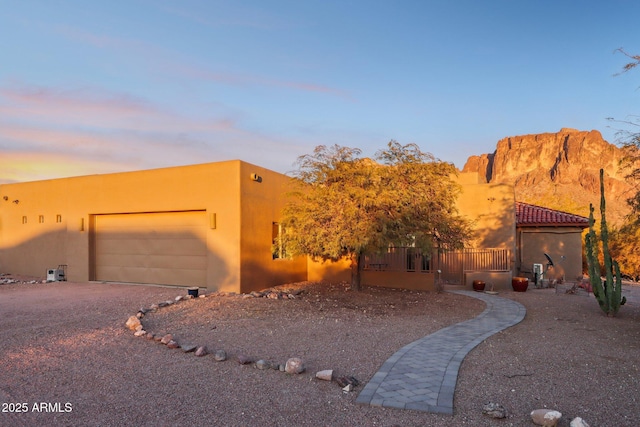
{"type": "Point", "coordinates": [67, 359]}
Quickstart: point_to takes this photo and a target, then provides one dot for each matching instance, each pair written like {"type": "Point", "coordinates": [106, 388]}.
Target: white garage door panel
{"type": "Point", "coordinates": [163, 248]}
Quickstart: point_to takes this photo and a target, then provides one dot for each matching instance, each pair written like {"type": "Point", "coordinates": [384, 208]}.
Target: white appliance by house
{"type": "Point", "coordinates": [538, 274]}
{"type": "Point", "coordinates": [57, 274]}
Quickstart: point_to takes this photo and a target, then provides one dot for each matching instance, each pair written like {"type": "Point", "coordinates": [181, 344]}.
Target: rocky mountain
{"type": "Point", "coordinates": [559, 170]}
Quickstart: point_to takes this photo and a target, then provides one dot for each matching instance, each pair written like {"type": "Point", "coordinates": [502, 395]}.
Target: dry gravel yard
{"type": "Point", "coordinates": [65, 344]}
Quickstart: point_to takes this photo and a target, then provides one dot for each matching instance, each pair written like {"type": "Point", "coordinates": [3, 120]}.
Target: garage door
{"type": "Point", "coordinates": [163, 248]}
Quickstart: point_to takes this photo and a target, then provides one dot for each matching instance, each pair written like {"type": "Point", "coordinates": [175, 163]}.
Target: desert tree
{"type": "Point", "coordinates": [625, 238]}
{"type": "Point", "coordinates": [345, 206]}
{"type": "Point", "coordinates": [629, 138]}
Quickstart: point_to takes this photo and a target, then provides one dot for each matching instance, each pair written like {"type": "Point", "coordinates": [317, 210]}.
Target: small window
{"type": "Point", "coordinates": [41, 219]}
{"type": "Point", "coordinates": [58, 218]}
{"type": "Point", "coordinates": [276, 239]}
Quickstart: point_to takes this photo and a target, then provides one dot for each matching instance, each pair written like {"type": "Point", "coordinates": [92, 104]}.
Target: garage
{"type": "Point", "coordinates": [168, 248]}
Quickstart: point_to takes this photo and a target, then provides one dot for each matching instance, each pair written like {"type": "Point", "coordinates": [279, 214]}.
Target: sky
{"type": "Point", "coordinates": [111, 86]}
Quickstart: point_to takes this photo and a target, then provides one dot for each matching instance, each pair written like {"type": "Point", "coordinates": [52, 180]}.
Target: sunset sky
{"type": "Point", "coordinates": [107, 86]}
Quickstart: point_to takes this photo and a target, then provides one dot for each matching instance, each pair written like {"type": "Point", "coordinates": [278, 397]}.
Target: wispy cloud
{"type": "Point", "coordinates": [93, 128]}
{"type": "Point", "coordinates": [50, 132]}
{"type": "Point", "coordinates": [91, 107]}
{"type": "Point", "coordinates": [248, 80]}
{"type": "Point", "coordinates": [162, 60]}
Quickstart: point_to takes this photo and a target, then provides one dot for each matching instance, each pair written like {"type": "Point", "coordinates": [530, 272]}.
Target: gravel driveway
{"type": "Point", "coordinates": [67, 359]}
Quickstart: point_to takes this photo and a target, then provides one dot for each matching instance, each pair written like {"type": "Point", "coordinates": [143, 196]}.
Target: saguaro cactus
{"type": "Point", "coordinates": [609, 292]}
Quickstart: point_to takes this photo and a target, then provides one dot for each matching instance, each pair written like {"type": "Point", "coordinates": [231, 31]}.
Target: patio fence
{"type": "Point", "coordinates": [452, 264]}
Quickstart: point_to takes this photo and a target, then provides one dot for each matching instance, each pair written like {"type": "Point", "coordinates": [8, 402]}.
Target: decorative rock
{"type": "Point", "coordinates": [220, 355]}
{"type": "Point", "coordinates": [347, 388]}
{"type": "Point", "coordinates": [294, 365]}
{"type": "Point", "coordinates": [188, 348]}
{"type": "Point", "coordinates": [262, 364]}
{"type": "Point", "coordinates": [281, 368]}
{"type": "Point", "coordinates": [158, 338]}
{"type": "Point", "coordinates": [166, 339]}
{"type": "Point", "coordinates": [244, 360]}
{"type": "Point", "coordinates": [247, 296]}
{"type": "Point", "coordinates": [173, 344]}
{"type": "Point", "coordinates": [140, 333]}
{"type": "Point", "coordinates": [179, 298]}
{"type": "Point", "coordinates": [139, 315]}
{"type": "Point", "coordinates": [494, 410]}
{"type": "Point", "coordinates": [326, 375]}
{"type": "Point", "coordinates": [578, 422]}
{"type": "Point", "coordinates": [345, 381]}
{"type": "Point", "coordinates": [154, 307]}
{"type": "Point", "coordinates": [201, 351]}
{"type": "Point", "coordinates": [545, 417]}
{"type": "Point", "coordinates": [150, 336]}
{"type": "Point", "coordinates": [133, 322]}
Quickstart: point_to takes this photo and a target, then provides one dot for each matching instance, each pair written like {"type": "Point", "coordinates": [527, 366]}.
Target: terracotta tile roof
{"type": "Point", "coordinates": [537, 216]}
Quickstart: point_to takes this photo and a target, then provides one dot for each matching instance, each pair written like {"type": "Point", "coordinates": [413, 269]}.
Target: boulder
{"type": "Point", "coordinates": [545, 417]}
{"type": "Point", "coordinates": [201, 351]}
{"type": "Point", "coordinates": [244, 360]}
{"type": "Point", "coordinates": [188, 348]}
{"type": "Point", "coordinates": [166, 339]}
{"type": "Point", "coordinates": [173, 344]}
{"type": "Point", "coordinates": [346, 380]}
{"type": "Point", "coordinates": [133, 322]}
{"type": "Point", "coordinates": [578, 422]}
{"type": "Point", "coordinates": [494, 410]}
{"type": "Point", "coordinates": [220, 355]}
{"type": "Point", "coordinates": [262, 364]}
{"type": "Point", "coordinates": [326, 375]}
{"type": "Point", "coordinates": [294, 365]}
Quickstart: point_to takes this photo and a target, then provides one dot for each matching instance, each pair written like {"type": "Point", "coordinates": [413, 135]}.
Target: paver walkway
{"type": "Point", "coordinates": [422, 375]}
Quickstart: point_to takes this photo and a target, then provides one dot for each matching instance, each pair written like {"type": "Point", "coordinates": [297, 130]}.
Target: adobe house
{"type": "Point", "coordinates": [208, 225]}
{"type": "Point", "coordinates": [557, 234]}
{"type": "Point", "coordinates": [212, 225]}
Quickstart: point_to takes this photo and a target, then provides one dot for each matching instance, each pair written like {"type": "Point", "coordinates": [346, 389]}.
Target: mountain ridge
{"type": "Point", "coordinates": [559, 171]}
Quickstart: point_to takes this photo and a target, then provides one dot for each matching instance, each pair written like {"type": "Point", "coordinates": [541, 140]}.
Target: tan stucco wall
{"type": "Point", "coordinates": [261, 205]}
{"type": "Point", "coordinates": [414, 281]}
{"type": "Point", "coordinates": [491, 207]}
{"type": "Point", "coordinates": [216, 188]}
{"type": "Point", "coordinates": [563, 244]}
{"type": "Point", "coordinates": [318, 270]}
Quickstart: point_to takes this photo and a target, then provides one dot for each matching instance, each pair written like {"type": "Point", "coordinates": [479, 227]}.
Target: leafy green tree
{"type": "Point", "coordinates": [345, 206]}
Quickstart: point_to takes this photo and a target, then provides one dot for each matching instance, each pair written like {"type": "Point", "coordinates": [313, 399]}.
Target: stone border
{"type": "Point", "coordinates": [293, 365]}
